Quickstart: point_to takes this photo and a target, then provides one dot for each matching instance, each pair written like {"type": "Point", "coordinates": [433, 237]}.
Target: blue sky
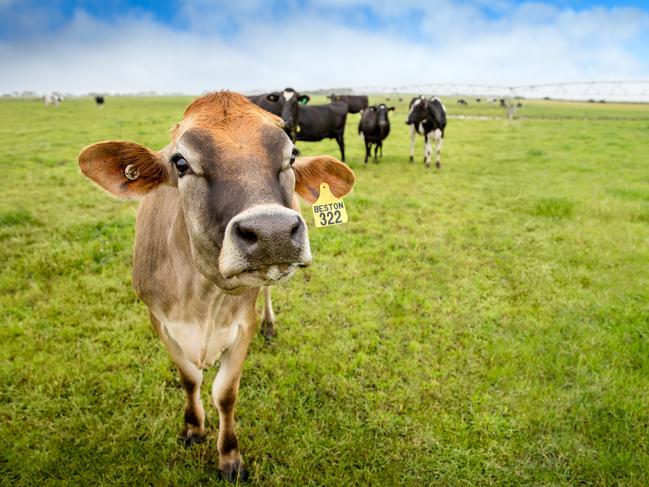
{"type": "Point", "coordinates": [193, 46]}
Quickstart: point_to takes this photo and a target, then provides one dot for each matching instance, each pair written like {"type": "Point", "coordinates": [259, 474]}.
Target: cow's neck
{"type": "Point", "coordinates": [164, 273]}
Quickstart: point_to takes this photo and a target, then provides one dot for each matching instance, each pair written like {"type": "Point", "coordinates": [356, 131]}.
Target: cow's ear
{"type": "Point", "coordinates": [304, 99]}
{"type": "Point", "coordinates": [124, 169]}
{"type": "Point", "coordinates": [272, 96]}
{"type": "Point", "coordinates": [310, 172]}
{"type": "Point", "coordinates": [391, 109]}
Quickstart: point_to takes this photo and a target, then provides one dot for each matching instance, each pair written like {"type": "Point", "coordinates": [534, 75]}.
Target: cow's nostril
{"type": "Point", "coordinates": [246, 235]}
{"type": "Point", "coordinates": [295, 229]}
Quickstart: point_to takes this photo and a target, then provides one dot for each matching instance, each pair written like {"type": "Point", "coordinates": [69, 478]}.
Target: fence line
{"type": "Point", "coordinates": [624, 90]}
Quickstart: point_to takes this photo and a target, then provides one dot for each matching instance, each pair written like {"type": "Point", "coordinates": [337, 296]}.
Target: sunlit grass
{"type": "Point", "coordinates": [483, 324]}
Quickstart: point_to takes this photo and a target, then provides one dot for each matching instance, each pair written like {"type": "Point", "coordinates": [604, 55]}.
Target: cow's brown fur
{"type": "Point", "coordinates": [239, 148]}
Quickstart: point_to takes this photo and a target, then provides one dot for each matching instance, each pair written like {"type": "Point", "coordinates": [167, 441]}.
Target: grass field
{"type": "Point", "coordinates": [483, 325]}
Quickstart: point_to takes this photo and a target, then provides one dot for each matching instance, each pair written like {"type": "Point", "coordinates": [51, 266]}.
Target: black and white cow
{"type": "Point", "coordinates": [356, 103]}
{"type": "Point", "coordinates": [52, 99]}
{"type": "Point", "coordinates": [375, 127]}
{"type": "Point", "coordinates": [427, 117]}
{"type": "Point", "coordinates": [319, 122]}
{"type": "Point", "coordinates": [286, 105]}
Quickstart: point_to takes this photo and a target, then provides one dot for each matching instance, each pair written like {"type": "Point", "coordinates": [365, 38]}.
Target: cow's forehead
{"type": "Point", "coordinates": [228, 126]}
{"type": "Point", "coordinates": [288, 94]}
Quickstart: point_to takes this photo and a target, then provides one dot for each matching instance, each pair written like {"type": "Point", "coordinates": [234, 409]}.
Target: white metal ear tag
{"type": "Point", "coordinates": [131, 172]}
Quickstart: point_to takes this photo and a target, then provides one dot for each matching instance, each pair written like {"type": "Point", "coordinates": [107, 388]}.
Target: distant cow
{"type": "Point", "coordinates": [319, 122]}
{"type": "Point", "coordinates": [52, 99]}
{"type": "Point", "coordinates": [503, 103]}
{"type": "Point", "coordinates": [375, 127]}
{"type": "Point", "coordinates": [356, 103]}
{"type": "Point", "coordinates": [99, 100]}
{"type": "Point", "coordinates": [477, 100]}
{"type": "Point", "coordinates": [285, 104]}
{"type": "Point", "coordinates": [462, 101]}
{"type": "Point", "coordinates": [427, 117]}
{"type": "Point", "coordinates": [215, 223]}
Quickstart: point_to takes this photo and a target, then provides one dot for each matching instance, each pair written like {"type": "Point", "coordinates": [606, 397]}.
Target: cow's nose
{"type": "Point", "coordinates": [264, 236]}
{"type": "Point", "coordinates": [268, 239]}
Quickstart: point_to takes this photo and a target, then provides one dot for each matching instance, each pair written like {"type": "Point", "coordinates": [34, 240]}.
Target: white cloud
{"type": "Point", "coordinates": [528, 44]}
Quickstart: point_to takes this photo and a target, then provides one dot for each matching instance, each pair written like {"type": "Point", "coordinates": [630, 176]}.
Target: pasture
{"type": "Point", "coordinates": [487, 324]}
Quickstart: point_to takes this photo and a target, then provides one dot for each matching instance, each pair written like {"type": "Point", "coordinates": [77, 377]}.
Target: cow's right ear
{"type": "Point", "coordinates": [272, 96]}
{"type": "Point", "coordinates": [124, 169]}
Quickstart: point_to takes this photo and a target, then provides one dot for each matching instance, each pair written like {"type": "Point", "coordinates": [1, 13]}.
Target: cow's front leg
{"type": "Point", "coordinates": [438, 148]}
{"type": "Point", "coordinates": [427, 150]}
{"type": "Point", "coordinates": [268, 321]}
{"type": "Point", "coordinates": [412, 142]}
{"type": "Point", "coordinates": [224, 396]}
{"type": "Point", "coordinates": [194, 431]}
{"type": "Point", "coordinates": [191, 378]}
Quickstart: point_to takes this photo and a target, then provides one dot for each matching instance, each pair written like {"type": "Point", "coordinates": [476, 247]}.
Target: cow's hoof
{"type": "Point", "coordinates": [412, 159]}
{"type": "Point", "coordinates": [234, 471]}
{"type": "Point", "coordinates": [438, 165]}
{"type": "Point", "coordinates": [189, 438]}
{"type": "Point", "coordinates": [268, 330]}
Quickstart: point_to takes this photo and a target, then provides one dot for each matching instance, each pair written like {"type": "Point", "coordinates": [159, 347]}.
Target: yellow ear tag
{"type": "Point", "coordinates": [328, 210]}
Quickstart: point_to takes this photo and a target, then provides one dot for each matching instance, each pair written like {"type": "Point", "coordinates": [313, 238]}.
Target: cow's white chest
{"type": "Point", "coordinates": [201, 342]}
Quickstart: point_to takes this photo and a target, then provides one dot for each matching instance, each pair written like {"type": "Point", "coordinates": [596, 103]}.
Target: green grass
{"type": "Point", "coordinates": [483, 325]}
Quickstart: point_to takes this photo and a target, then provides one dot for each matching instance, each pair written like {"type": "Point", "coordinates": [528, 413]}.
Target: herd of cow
{"type": "Point", "coordinates": [312, 123]}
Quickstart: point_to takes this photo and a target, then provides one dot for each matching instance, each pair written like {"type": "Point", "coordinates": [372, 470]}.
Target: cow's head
{"type": "Point", "coordinates": [290, 101]}
{"type": "Point", "coordinates": [382, 114]}
{"type": "Point", "coordinates": [236, 173]}
{"type": "Point", "coordinates": [418, 110]}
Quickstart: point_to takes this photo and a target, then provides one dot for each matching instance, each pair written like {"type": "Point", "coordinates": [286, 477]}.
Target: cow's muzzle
{"type": "Point", "coordinates": [264, 244]}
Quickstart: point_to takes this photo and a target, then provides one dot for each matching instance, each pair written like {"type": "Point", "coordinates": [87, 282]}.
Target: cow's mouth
{"type": "Point", "coordinates": [267, 275]}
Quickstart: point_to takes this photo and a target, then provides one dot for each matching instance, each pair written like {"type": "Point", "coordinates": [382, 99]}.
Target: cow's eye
{"type": "Point", "coordinates": [181, 165]}
{"type": "Point", "coordinates": [295, 154]}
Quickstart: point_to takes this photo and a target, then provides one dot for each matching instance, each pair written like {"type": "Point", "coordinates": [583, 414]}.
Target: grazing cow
{"type": "Point", "coordinates": [286, 105]}
{"type": "Point", "coordinates": [356, 103]}
{"type": "Point", "coordinates": [375, 127]}
{"type": "Point", "coordinates": [319, 122]}
{"type": "Point", "coordinates": [427, 117]}
{"type": "Point", "coordinates": [503, 103]}
{"type": "Point", "coordinates": [99, 100]}
{"type": "Point", "coordinates": [462, 101]}
{"type": "Point", "coordinates": [52, 99]}
{"type": "Point", "coordinates": [477, 100]}
{"type": "Point", "coordinates": [215, 223]}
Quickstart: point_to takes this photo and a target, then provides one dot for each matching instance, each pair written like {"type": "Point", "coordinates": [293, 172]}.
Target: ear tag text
{"type": "Point", "coordinates": [328, 210]}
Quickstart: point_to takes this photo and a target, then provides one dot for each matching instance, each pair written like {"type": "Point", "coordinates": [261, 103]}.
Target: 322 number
{"type": "Point", "coordinates": [330, 218]}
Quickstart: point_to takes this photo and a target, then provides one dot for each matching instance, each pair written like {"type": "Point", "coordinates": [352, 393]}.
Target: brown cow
{"type": "Point", "coordinates": [215, 223]}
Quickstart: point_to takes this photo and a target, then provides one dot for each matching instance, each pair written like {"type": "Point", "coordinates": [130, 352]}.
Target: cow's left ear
{"type": "Point", "coordinates": [391, 109]}
{"type": "Point", "coordinates": [310, 172]}
{"type": "Point", "coordinates": [304, 99]}
{"type": "Point", "coordinates": [124, 169]}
